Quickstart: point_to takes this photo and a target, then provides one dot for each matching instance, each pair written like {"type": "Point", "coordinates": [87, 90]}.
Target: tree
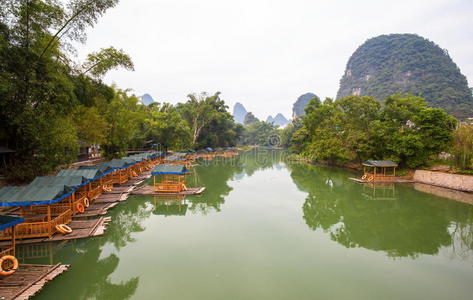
{"type": "Point", "coordinates": [462, 146]}
{"type": "Point", "coordinates": [99, 63]}
{"type": "Point", "coordinates": [250, 119]}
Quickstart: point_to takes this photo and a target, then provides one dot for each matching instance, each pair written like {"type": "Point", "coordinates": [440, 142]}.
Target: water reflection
{"type": "Point", "coordinates": [407, 225]}
{"type": "Point", "coordinates": [170, 205]}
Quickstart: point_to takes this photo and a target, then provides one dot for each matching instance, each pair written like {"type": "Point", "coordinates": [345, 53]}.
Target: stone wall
{"type": "Point", "coordinates": [451, 181]}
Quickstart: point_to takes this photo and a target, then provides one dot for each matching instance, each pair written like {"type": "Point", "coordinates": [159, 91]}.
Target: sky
{"type": "Point", "coordinates": [261, 53]}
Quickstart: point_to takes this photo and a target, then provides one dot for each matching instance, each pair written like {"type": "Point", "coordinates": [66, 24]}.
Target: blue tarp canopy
{"type": "Point", "coordinates": [90, 174]}
{"type": "Point", "coordinates": [9, 221]}
{"type": "Point", "coordinates": [169, 170]}
{"type": "Point", "coordinates": [32, 195]}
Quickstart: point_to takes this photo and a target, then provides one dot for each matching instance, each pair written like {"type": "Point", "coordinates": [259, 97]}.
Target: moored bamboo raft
{"type": "Point", "coordinates": [149, 190]}
{"type": "Point", "coordinates": [29, 280]}
{"type": "Point", "coordinates": [80, 229]}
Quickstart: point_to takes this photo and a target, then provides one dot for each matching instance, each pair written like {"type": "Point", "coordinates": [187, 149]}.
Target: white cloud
{"type": "Point", "coordinates": [264, 53]}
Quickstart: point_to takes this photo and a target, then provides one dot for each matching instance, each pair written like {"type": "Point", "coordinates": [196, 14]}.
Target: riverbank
{"type": "Point", "coordinates": [455, 182]}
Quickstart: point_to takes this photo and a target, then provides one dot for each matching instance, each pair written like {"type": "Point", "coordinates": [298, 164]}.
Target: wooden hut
{"type": "Point", "coordinates": [78, 186]}
{"type": "Point", "coordinates": [106, 177]}
{"type": "Point", "coordinates": [122, 171]}
{"type": "Point", "coordinates": [38, 207]}
{"type": "Point", "coordinates": [9, 263]}
{"type": "Point", "coordinates": [95, 184]}
{"type": "Point", "coordinates": [379, 170]}
{"type": "Point", "coordinates": [178, 159]}
{"type": "Point", "coordinates": [169, 178]}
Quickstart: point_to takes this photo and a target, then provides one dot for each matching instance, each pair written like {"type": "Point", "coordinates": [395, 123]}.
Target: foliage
{"type": "Point", "coordinates": [209, 120]}
{"type": "Point", "coordinates": [250, 119]}
{"type": "Point", "coordinates": [357, 128]}
{"type": "Point", "coordinates": [462, 146]}
{"type": "Point", "coordinates": [407, 63]}
{"type": "Point", "coordinates": [99, 63]}
{"type": "Point", "coordinates": [259, 133]}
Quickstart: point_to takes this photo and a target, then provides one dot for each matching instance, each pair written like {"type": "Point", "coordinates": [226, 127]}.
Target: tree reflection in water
{"type": "Point", "coordinates": [400, 222]}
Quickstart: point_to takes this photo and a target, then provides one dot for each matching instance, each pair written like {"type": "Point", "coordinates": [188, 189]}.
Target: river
{"type": "Point", "coordinates": [269, 229]}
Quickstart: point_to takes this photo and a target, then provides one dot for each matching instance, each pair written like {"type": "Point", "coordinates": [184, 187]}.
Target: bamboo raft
{"type": "Point", "coordinates": [80, 229]}
{"type": "Point", "coordinates": [149, 190]}
{"type": "Point", "coordinates": [120, 190]}
{"type": "Point", "coordinates": [96, 209]}
{"type": "Point", "coordinates": [112, 198]}
{"type": "Point", "coordinates": [386, 180]}
{"type": "Point", "coordinates": [29, 280]}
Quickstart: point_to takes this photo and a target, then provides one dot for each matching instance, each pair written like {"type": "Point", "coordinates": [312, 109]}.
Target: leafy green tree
{"type": "Point", "coordinates": [167, 127]}
{"type": "Point", "coordinates": [99, 63]}
{"type": "Point", "coordinates": [462, 146]}
{"type": "Point", "coordinates": [250, 119]}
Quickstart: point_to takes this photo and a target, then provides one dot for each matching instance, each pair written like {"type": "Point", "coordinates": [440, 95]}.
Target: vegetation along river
{"type": "Point", "coordinates": [266, 228]}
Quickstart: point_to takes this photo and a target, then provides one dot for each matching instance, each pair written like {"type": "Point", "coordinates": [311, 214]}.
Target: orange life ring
{"type": "Point", "coordinates": [80, 207]}
{"type": "Point", "coordinates": [13, 269]}
{"type": "Point", "coordinates": [364, 176]}
{"type": "Point", "coordinates": [63, 228]}
{"type": "Point", "coordinates": [86, 202]}
{"type": "Point", "coordinates": [371, 178]}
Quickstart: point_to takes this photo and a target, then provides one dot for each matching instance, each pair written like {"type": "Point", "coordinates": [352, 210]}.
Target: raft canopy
{"type": "Point", "coordinates": [9, 221]}
{"type": "Point", "coordinates": [71, 182]}
{"type": "Point", "coordinates": [103, 168]}
{"type": "Point", "coordinates": [118, 164]}
{"type": "Point", "coordinates": [89, 173]}
{"type": "Point", "coordinates": [380, 163]}
{"type": "Point", "coordinates": [169, 170]}
{"type": "Point", "coordinates": [33, 195]}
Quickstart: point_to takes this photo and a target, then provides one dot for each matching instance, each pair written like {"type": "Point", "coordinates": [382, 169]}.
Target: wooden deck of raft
{"type": "Point", "coordinates": [80, 229]}
{"type": "Point", "coordinates": [149, 190]}
{"type": "Point", "coordinates": [28, 280]}
{"type": "Point", "coordinates": [393, 180]}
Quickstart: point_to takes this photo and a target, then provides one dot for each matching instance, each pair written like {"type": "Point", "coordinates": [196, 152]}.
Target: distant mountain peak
{"type": "Point", "coordinates": [301, 103]}
{"type": "Point", "coordinates": [239, 113]}
{"type": "Point", "coordinates": [146, 99]}
{"type": "Point", "coordinates": [280, 120]}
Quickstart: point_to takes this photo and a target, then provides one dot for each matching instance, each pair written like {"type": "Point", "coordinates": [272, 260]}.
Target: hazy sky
{"type": "Point", "coordinates": [264, 53]}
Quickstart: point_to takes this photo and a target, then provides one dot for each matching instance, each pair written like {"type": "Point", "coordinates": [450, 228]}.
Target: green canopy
{"type": "Point", "coordinates": [32, 195]}
{"type": "Point", "coordinates": [169, 169]}
{"type": "Point", "coordinates": [103, 168]}
{"type": "Point", "coordinates": [67, 181]}
{"type": "Point", "coordinates": [90, 174]}
{"type": "Point", "coordinates": [379, 163]}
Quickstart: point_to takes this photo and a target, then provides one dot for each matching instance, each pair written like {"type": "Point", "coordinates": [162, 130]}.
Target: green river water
{"type": "Point", "coordinates": [269, 229]}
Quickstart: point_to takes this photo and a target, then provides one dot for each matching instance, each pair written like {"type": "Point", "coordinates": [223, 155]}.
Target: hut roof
{"type": "Point", "coordinates": [118, 163]}
{"type": "Point", "coordinates": [169, 169]}
{"type": "Point", "coordinates": [64, 181]}
{"type": "Point", "coordinates": [103, 168]}
{"type": "Point", "coordinates": [379, 163]}
{"type": "Point", "coordinates": [32, 195]}
{"type": "Point", "coordinates": [9, 221]}
{"type": "Point", "coordinates": [88, 173]}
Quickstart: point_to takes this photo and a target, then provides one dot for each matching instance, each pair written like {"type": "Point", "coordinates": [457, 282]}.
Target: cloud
{"type": "Point", "coordinates": [264, 53]}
